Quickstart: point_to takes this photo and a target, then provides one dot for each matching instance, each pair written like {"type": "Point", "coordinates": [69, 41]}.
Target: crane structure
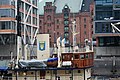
{"type": "Point", "coordinates": [74, 34]}
{"type": "Point", "coordinates": [26, 35]}
{"type": "Point", "coordinates": [114, 27]}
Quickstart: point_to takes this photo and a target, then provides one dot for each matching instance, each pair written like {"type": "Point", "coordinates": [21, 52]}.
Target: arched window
{"type": "Point", "coordinates": [48, 17]}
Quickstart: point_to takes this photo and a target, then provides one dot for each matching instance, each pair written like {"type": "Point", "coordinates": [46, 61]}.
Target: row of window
{"type": "Point", "coordinates": [29, 19]}
{"type": "Point", "coordinates": [48, 10]}
{"type": "Point", "coordinates": [103, 28]}
{"type": "Point", "coordinates": [11, 13]}
{"type": "Point", "coordinates": [27, 7]}
{"type": "Point", "coordinates": [102, 13]}
{"type": "Point", "coordinates": [66, 71]}
{"type": "Point", "coordinates": [7, 13]}
{"type": "Point", "coordinates": [101, 2]}
{"type": "Point", "coordinates": [77, 56]}
{"type": "Point", "coordinates": [42, 73]}
{"type": "Point", "coordinates": [83, 56]}
{"type": "Point", "coordinates": [28, 28]}
{"type": "Point", "coordinates": [66, 28]}
{"type": "Point", "coordinates": [5, 2]}
{"type": "Point", "coordinates": [109, 41]}
{"type": "Point", "coordinates": [48, 18]}
{"type": "Point", "coordinates": [50, 32]}
{"type": "Point", "coordinates": [12, 2]}
{"type": "Point", "coordinates": [66, 22]}
{"type": "Point", "coordinates": [10, 25]}
{"type": "Point", "coordinates": [7, 25]}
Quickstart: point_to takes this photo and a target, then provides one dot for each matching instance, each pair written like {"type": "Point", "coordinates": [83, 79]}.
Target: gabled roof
{"type": "Point", "coordinates": [41, 4]}
{"type": "Point", "coordinates": [74, 5]}
{"type": "Point", "coordinates": [86, 5]}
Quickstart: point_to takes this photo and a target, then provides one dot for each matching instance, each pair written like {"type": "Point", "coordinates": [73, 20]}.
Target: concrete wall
{"type": "Point", "coordinates": [107, 50]}
{"type": "Point", "coordinates": [5, 50]}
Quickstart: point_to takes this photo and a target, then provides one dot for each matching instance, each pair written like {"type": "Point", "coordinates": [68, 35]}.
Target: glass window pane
{"type": "Point", "coordinates": [82, 56]}
{"type": "Point", "coordinates": [86, 56]}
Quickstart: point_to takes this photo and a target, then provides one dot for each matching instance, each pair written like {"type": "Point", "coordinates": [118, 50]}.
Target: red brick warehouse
{"type": "Point", "coordinates": [57, 16]}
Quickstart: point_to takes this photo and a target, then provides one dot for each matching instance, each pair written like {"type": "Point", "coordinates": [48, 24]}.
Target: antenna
{"type": "Point", "coordinates": [59, 51]}
{"type": "Point", "coordinates": [74, 34]}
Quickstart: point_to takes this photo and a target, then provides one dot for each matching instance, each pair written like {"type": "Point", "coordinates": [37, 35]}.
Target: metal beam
{"type": "Point", "coordinates": [115, 27]}
{"type": "Point", "coordinates": [2, 39]}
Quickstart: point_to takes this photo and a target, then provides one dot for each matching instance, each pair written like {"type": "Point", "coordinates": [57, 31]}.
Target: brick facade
{"type": "Point", "coordinates": [53, 24]}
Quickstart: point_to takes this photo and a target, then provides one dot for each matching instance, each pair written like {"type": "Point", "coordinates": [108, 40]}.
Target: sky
{"type": "Point", "coordinates": [41, 5]}
{"type": "Point", "coordinates": [40, 0]}
{"type": "Point", "coordinates": [74, 5]}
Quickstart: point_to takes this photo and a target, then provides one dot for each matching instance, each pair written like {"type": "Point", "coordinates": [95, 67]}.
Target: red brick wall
{"type": "Point", "coordinates": [57, 28]}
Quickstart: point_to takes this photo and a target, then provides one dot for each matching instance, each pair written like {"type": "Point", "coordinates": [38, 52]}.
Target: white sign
{"type": "Point", "coordinates": [43, 46]}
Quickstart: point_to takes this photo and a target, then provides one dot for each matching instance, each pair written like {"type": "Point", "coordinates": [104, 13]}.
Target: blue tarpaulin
{"type": "Point", "coordinates": [52, 59]}
{"type": "Point", "coordinates": [3, 68]}
{"type": "Point", "coordinates": [4, 65]}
